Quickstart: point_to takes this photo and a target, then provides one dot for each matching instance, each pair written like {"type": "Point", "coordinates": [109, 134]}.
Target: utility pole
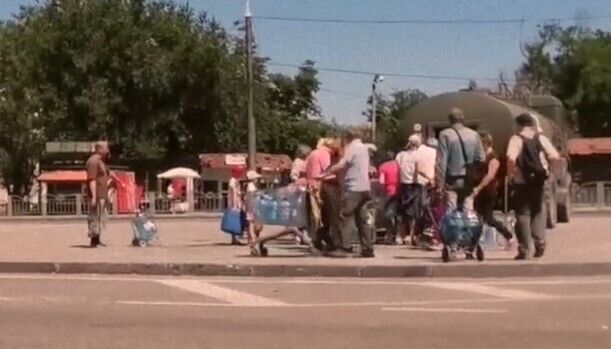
{"type": "Point", "coordinates": [373, 112]}
{"type": "Point", "coordinates": [252, 130]}
{"type": "Point", "coordinates": [376, 79]}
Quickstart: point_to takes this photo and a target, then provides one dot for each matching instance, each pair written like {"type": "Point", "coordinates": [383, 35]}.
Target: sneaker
{"type": "Point", "coordinates": [399, 241]}
{"type": "Point", "coordinates": [95, 240]}
{"type": "Point", "coordinates": [539, 251]}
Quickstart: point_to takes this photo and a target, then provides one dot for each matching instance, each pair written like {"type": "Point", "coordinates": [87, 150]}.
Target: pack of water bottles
{"type": "Point", "coordinates": [285, 206]}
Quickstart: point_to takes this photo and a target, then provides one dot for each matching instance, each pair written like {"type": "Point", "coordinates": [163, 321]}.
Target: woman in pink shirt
{"type": "Point", "coordinates": [389, 177]}
{"type": "Point", "coordinates": [325, 192]}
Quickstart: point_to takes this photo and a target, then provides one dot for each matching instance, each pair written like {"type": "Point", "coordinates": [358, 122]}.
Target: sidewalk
{"type": "Point", "coordinates": [194, 246]}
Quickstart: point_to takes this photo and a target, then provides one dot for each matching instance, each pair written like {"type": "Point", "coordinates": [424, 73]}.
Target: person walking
{"type": "Point", "coordinates": [460, 158]}
{"type": "Point", "coordinates": [325, 192]}
{"type": "Point", "coordinates": [355, 165]}
{"type": "Point", "coordinates": [528, 156]}
{"type": "Point", "coordinates": [235, 197]}
{"type": "Point", "coordinates": [413, 189]}
{"type": "Point", "coordinates": [388, 175]}
{"type": "Point", "coordinates": [485, 193]}
{"type": "Point", "coordinates": [98, 180]}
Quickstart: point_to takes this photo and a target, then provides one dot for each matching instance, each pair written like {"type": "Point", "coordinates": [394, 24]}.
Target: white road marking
{"type": "Point", "coordinates": [473, 287]}
{"type": "Point", "coordinates": [449, 310]}
{"type": "Point", "coordinates": [221, 293]}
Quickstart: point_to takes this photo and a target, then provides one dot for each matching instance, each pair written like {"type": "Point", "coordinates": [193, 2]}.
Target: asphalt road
{"type": "Point", "coordinates": [60, 311]}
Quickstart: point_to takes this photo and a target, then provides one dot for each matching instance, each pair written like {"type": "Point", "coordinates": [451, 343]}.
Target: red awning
{"type": "Point", "coordinates": [63, 176]}
{"type": "Point", "coordinates": [589, 146]}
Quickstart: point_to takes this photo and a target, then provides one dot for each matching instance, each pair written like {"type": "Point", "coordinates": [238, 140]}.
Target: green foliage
{"type": "Point", "coordinates": [573, 64]}
{"type": "Point", "coordinates": [390, 111]}
{"type": "Point", "coordinates": [155, 78]}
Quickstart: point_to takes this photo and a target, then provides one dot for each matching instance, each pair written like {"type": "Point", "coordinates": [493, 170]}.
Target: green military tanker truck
{"type": "Point", "coordinates": [486, 112]}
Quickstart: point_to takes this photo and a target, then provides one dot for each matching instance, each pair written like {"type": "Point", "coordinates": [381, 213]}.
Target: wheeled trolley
{"type": "Point", "coordinates": [461, 230]}
{"type": "Point", "coordinates": [145, 230]}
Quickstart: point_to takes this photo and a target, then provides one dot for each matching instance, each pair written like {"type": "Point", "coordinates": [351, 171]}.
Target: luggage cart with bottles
{"type": "Point", "coordinates": [286, 207]}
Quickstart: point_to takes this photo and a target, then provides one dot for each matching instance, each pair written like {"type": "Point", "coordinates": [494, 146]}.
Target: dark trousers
{"type": "Point", "coordinates": [329, 233]}
{"type": "Point", "coordinates": [484, 206]}
{"type": "Point", "coordinates": [391, 215]}
{"type": "Point", "coordinates": [531, 216]}
{"type": "Point", "coordinates": [352, 204]}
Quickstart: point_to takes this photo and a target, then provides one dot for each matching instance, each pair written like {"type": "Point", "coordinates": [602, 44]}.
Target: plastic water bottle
{"type": "Point", "coordinates": [285, 211]}
{"type": "Point", "coordinates": [273, 214]}
{"type": "Point", "coordinates": [489, 237]}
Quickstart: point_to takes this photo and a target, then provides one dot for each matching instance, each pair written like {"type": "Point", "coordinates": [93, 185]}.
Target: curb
{"type": "Point", "coordinates": [126, 217]}
{"type": "Point", "coordinates": [277, 270]}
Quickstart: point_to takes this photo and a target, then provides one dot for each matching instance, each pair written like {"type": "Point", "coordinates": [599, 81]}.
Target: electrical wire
{"type": "Point", "coordinates": [425, 21]}
{"type": "Point", "coordinates": [370, 73]}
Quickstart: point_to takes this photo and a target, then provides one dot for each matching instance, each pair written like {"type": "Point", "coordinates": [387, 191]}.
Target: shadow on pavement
{"type": "Point", "coordinates": [81, 246]}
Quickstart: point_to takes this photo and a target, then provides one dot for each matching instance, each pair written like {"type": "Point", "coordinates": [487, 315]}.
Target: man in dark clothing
{"type": "Point", "coordinates": [355, 165]}
{"type": "Point", "coordinates": [528, 154]}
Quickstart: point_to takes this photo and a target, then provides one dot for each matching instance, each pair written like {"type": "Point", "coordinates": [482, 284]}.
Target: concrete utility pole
{"type": "Point", "coordinates": [252, 130]}
{"type": "Point", "coordinates": [376, 79]}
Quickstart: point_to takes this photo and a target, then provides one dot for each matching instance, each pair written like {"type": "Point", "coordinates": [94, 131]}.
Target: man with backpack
{"type": "Point", "coordinates": [528, 156]}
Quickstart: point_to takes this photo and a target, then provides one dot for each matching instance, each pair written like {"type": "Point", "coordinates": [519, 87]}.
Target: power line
{"type": "Point", "coordinates": [425, 21]}
{"type": "Point", "coordinates": [370, 73]}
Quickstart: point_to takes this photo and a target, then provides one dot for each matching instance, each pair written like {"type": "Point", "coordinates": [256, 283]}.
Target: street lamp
{"type": "Point", "coordinates": [376, 80]}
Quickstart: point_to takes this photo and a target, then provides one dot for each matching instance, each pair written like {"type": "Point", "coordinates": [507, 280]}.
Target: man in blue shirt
{"type": "Point", "coordinates": [456, 144]}
{"type": "Point", "coordinates": [355, 164]}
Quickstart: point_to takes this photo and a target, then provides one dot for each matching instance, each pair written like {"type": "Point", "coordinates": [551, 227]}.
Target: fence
{"type": "Point", "coordinates": [70, 205]}
{"type": "Point", "coordinates": [591, 195]}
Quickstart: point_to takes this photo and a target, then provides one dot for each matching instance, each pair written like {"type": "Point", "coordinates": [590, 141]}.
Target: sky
{"type": "Point", "coordinates": [458, 50]}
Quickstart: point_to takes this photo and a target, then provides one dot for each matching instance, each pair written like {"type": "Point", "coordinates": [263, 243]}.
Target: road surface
{"type": "Point", "coordinates": [87, 311]}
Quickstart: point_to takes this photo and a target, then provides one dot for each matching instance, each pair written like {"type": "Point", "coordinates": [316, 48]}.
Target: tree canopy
{"type": "Point", "coordinates": [573, 64]}
{"type": "Point", "coordinates": [390, 111]}
{"type": "Point", "coordinates": [153, 77]}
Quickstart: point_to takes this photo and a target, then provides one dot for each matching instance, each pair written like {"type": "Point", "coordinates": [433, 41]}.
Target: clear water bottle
{"type": "Point", "coordinates": [285, 211]}
{"type": "Point", "coordinates": [273, 212]}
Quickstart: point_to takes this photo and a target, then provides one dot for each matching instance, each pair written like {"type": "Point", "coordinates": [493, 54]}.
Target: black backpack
{"type": "Point", "coordinates": [529, 161]}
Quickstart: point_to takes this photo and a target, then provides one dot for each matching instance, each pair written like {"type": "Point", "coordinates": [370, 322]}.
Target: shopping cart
{"type": "Point", "coordinates": [286, 207]}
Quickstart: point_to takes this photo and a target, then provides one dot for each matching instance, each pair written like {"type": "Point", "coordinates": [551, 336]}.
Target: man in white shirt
{"type": "Point", "coordinates": [414, 181]}
{"type": "Point", "coordinates": [528, 156]}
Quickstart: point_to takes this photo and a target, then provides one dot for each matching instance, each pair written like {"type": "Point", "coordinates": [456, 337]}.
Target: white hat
{"type": "Point", "coordinates": [414, 139]}
{"type": "Point", "coordinates": [252, 175]}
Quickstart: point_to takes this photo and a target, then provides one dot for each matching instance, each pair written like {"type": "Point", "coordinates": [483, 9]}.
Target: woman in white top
{"type": "Point", "coordinates": [234, 197]}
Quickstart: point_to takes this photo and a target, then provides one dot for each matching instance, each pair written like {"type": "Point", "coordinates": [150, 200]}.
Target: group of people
{"type": "Point", "coordinates": [461, 169]}
{"type": "Point", "coordinates": [458, 169]}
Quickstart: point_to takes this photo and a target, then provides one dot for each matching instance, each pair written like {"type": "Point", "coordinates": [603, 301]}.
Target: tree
{"type": "Point", "coordinates": [390, 112]}
{"type": "Point", "coordinates": [573, 64]}
{"type": "Point", "coordinates": [155, 78]}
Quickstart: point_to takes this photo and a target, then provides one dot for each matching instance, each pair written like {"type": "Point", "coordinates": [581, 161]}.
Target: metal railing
{"type": "Point", "coordinates": [75, 204]}
{"type": "Point", "coordinates": [592, 195]}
